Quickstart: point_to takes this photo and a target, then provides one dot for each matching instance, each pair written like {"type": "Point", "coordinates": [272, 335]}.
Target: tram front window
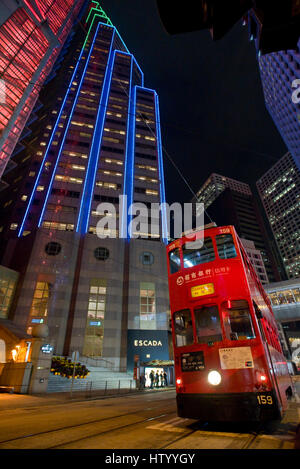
{"type": "Point", "coordinates": [225, 246]}
{"type": "Point", "coordinates": [183, 328]}
{"type": "Point", "coordinates": [208, 325]}
{"type": "Point", "coordinates": [237, 320]}
{"type": "Point", "coordinates": [194, 256]}
{"type": "Point", "coordinates": [174, 261]}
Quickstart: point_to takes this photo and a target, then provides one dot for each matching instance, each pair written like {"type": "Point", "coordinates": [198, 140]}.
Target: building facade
{"type": "Point", "coordinates": [256, 260]}
{"type": "Point", "coordinates": [230, 202]}
{"type": "Point", "coordinates": [280, 75]}
{"type": "Point", "coordinates": [32, 33]}
{"type": "Point", "coordinates": [86, 269]}
{"type": "Point", "coordinates": [285, 299]}
{"type": "Point", "coordinates": [279, 190]}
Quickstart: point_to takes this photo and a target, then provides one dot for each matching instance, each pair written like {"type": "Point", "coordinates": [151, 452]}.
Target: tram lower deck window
{"type": "Point", "coordinates": [237, 320]}
{"type": "Point", "coordinates": [208, 325]}
{"type": "Point", "coordinates": [183, 328]}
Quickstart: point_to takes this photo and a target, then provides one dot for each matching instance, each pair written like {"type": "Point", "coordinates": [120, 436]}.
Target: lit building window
{"type": "Point", "coordinates": [146, 178]}
{"type": "Point", "coordinates": [40, 302]}
{"type": "Point", "coordinates": [147, 167]}
{"type": "Point", "coordinates": [147, 305]}
{"type": "Point", "coordinates": [151, 192]}
{"type": "Point", "coordinates": [108, 185]}
{"type": "Point", "coordinates": [58, 226]}
{"type": "Point", "coordinates": [7, 287]}
{"type": "Point", "coordinates": [73, 180]}
{"type": "Point", "coordinates": [94, 333]}
{"type": "Point", "coordinates": [113, 161]}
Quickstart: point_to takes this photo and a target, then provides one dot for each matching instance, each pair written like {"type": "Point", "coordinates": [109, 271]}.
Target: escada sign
{"type": "Point", "coordinates": [147, 343]}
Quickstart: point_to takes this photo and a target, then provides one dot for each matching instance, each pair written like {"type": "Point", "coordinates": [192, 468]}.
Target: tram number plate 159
{"type": "Point", "coordinates": [264, 399]}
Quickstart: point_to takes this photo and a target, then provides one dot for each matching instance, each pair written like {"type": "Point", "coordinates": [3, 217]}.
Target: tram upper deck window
{"type": "Point", "coordinates": [193, 255]}
{"type": "Point", "coordinates": [208, 327]}
{"type": "Point", "coordinates": [237, 320]}
{"type": "Point", "coordinates": [225, 246]}
{"type": "Point", "coordinates": [183, 328]}
{"type": "Point", "coordinates": [174, 260]}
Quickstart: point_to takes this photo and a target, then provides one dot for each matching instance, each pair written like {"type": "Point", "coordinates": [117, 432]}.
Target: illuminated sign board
{"type": "Point", "coordinates": [148, 345]}
{"type": "Point", "coordinates": [47, 348]}
{"type": "Point", "coordinates": [202, 290]}
{"type": "Point", "coordinates": [95, 323]}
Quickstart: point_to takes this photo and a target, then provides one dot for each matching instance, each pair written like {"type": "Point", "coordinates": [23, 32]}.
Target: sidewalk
{"type": "Point", "coordinates": [19, 401]}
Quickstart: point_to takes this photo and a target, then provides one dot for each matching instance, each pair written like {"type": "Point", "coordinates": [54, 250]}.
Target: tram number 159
{"type": "Point", "coordinates": [264, 399]}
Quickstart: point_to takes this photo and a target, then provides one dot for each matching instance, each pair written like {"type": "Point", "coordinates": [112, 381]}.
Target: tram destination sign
{"type": "Point", "coordinates": [192, 361]}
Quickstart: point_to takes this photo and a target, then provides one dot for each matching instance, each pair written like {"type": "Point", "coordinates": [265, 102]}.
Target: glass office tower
{"type": "Point", "coordinates": [32, 33]}
{"type": "Point", "coordinates": [280, 75]}
{"type": "Point", "coordinates": [101, 144]}
{"type": "Point", "coordinates": [279, 189]}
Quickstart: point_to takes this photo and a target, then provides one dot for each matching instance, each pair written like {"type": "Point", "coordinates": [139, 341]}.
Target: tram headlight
{"type": "Point", "coordinates": [214, 377]}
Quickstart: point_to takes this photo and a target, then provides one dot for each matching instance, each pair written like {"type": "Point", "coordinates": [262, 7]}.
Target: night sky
{"type": "Point", "coordinates": [213, 116]}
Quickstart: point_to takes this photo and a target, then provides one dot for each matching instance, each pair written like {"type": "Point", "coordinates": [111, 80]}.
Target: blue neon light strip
{"type": "Point", "coordinates": [160, 162]}
{"type": "Point", "coordinates": [68, 125]}
{"type": "Point", "coordinates": [132, 156]}
{"type": "Point", "coordinates": [50, 143]}
{"type": "Point", "coordinates": [128, 155]}
{"type": "Point", "coordinates": [161, 173]}
{"type": "Point", "coordinates": [87, 194]}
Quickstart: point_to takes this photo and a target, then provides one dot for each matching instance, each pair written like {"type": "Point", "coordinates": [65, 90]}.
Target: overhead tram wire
{"type": "Point", "coordinates": [166, 153]}
{"type": "Point", "coordinates": [163, 148]}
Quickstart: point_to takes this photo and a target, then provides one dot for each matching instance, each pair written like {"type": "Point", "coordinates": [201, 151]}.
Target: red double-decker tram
{"type": "Point", "coordinates": [229, 363]}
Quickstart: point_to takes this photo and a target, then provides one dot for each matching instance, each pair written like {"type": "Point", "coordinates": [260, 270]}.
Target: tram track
{"type": "Point", "coordinates": [81, 425]}
{"type": "Point", "coordinates": [202, 432]}
{"type": "Point", "coordinates": [36, 443]}
{"type": "Point", "coordinates": [143, 423]}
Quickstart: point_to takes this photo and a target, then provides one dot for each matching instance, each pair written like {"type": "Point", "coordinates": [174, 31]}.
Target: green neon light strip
{"type": "Point", "coordinates": [99, 10]}
{"type": "Point", "coordinates": [100, 13]}
{"type": "Point", "coordinates": [96, 11]}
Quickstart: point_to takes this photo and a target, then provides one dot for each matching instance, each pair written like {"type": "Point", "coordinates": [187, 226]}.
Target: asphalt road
{"type": "Point", "coordinates": [146, 420]}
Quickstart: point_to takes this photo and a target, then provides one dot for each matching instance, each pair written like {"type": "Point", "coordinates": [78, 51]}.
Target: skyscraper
{"type": "Point", "coordinates": [100, 141]}
{"type": "Point", "coordinates": [32, 33]}
{"type": "Point", "coordinates": [256, 260]}
{"type": "Point", "coordinates": [279, 189]}
{"type": "Point", "coordinates": [280, 74]}
{"type": "Point", "coordinates": [231, 202]}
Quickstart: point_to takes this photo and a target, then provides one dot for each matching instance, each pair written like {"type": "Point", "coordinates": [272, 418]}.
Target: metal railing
{"type": "Point", "coordinates": [105, 388]}
{"type": "Point", "coordinates": [102, 362]}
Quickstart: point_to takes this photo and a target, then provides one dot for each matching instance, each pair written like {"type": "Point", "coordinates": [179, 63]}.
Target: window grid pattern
{"type": "Point", "coordinates": [40, 302]}
{"type": "Point", "coordinates": [6, 293]}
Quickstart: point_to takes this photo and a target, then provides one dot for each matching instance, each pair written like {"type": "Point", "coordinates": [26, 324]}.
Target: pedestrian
{"type": "Point", "coordinates": [151, 379]}
{"type": "Point", "coordinates": [142, 382]}
{"type": "Point", "coordinates": [165, 379]}
{"type": "Point", "coordinates": [157, 379]}
{"type": "Point", "coordinates": [162, 381]}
